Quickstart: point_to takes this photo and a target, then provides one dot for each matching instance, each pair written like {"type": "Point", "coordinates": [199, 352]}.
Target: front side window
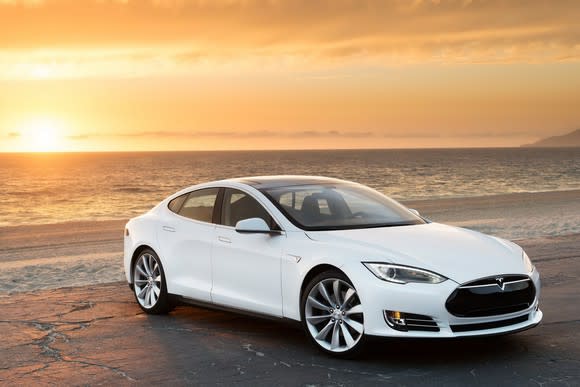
{"type": "Point", "coordinates": [199, 205]}
{"type": "Point", "coordinates": [339, 207]}
{"type": "Point", "coordinates": [239, 205]}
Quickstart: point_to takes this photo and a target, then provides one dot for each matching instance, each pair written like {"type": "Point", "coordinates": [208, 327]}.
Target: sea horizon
{"type": "Point", "coordinates": [524, 146]}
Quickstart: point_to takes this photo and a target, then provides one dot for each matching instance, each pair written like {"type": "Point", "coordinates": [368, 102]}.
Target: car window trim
{"type": "Point", "coordinates": [218, 206]}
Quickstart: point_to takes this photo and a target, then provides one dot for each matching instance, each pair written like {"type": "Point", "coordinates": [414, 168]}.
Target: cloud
{"type": "Point", "coordinates": [273, 134]}
{"type": "Point", "coordinates": [454, 133]}
{"type": "Point", "coordinates": [78, 137]}
{"type": "Point", "coordinates": [224, 134]}
{"type": "Point", "coordinates": [22, 3]}
{"type": "Point", "coordinates": [10, 135]}
{"type": "Point", "coordinates": [382, 32]}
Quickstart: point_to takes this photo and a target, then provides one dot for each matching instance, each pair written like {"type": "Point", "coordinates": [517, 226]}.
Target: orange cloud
{"type": "Point", "coordinates": [218, 134]}
{"type": "Point", "coordinates": [154, 34]}
{"type": "Point", "coordinates": [344, 73]}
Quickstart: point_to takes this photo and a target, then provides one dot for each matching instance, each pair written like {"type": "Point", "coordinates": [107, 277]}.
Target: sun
{"type": "Point", "coordinates": [42, 135]}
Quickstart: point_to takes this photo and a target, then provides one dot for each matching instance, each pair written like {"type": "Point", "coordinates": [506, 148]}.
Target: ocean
{"type": "Point", "coordinates": [52, 188]}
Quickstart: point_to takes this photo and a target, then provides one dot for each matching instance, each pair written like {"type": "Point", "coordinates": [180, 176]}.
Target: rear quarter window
{"type": "Point", "coordinates": [175, 204]}
{"type": "Point", "coordinates": [199, 205]}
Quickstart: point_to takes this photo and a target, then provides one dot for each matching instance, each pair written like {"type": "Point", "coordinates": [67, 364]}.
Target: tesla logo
{"type": "Point", "coordinates": [500, 283]}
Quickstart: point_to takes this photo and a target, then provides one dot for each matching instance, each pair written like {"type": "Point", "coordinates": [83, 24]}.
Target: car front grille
{"type": "Point", "coordinates": [488, 325]}
{"type": "Point", "coordinates": [492, 296]}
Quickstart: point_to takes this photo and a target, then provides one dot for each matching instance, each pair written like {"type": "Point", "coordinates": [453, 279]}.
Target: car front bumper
{"type": "Point", "coordinates": [428, 300]}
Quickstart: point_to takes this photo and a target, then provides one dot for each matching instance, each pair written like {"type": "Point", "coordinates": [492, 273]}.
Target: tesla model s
{"type": "Point", "coordinates": [341, 258]}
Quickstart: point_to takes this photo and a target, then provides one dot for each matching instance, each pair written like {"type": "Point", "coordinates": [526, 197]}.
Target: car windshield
{"type": "Point", "coordinates": [339, 206]}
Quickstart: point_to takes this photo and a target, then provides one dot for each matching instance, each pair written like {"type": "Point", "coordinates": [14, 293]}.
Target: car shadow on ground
{"type": "Point", "coordinates": [418, 352]}
{"type": "Point", "coordinates": [285, 340]}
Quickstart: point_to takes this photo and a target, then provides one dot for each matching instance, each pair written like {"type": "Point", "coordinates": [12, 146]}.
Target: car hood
{"type": "Point", "coordinates": [459, 254]}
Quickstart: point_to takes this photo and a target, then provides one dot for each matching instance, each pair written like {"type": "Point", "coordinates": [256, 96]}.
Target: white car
{"type": "Point", "coordinates": [345, 260]}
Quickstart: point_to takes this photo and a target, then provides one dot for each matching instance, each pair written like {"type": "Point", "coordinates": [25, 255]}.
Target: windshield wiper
{"type": "Point", "coordinates": [360, 226]}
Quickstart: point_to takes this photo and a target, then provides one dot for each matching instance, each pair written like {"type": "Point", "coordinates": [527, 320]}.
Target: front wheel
{"type": "Point", "coordinates": [332, 314]}
{"type": "Point", "coordinates": [149, 283]}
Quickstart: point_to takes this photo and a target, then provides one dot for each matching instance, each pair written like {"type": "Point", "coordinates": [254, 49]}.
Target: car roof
{"type": "Point", "coordinates": [269, 182]}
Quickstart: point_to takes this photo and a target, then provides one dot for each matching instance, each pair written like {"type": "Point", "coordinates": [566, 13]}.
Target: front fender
{"type": "Point", "coordinates": [303, 257]}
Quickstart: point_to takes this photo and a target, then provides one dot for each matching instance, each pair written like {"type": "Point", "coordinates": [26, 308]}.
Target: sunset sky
{"type": "Point", "coordinates": [79, 75]}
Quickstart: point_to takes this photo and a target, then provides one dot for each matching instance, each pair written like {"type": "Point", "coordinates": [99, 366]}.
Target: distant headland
{"type": "Point", "coordinates": [571, 139]}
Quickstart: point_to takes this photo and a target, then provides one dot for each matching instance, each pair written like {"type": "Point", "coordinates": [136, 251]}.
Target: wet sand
{"type": "Point", "coordinates": [60, 255]}
{"type": "Point", "coordinates": [511, 216]}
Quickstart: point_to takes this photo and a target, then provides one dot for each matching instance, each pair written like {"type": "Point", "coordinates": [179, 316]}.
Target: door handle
{"type": "Point", "coordinates": [224, 239]}
{"type": "Point", "coordinates": [168, 228]}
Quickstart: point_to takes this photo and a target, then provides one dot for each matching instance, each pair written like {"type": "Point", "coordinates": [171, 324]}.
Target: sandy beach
{"type": "Point", "coordinates": [85, 253]}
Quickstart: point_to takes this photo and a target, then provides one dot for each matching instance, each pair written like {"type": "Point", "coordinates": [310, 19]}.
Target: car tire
{"type": "Point", "coordinates": [331, 314]}
{"type": "Point", "coordinates": [149, 284]}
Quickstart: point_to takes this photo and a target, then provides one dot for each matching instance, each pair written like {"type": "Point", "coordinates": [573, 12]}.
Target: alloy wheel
{"type": "Point", "coordinates": [147, 280]}
{"type": "Point", "coordinates": [333, 314]}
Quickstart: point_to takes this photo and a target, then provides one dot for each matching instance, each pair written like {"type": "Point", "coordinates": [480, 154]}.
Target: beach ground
{"type": "Point", "coordinates": [67, 317]}
{"type": "Point", "coordinates": [97, 335]}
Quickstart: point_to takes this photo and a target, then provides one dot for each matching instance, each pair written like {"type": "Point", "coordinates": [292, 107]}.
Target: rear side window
{"type": "Point", "coordinates": [175, 204]}
{"type": "Point", "coordinates": [199, 205]}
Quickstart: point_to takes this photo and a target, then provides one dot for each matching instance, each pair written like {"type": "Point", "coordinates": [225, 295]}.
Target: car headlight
{"type": "Point", "coordinates": [403, 274]}
{"type": "Point", "coordinates": [527, 262]}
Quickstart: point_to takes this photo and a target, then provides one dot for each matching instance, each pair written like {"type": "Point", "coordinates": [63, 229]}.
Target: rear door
{"type": "Point", "coordinates": [186, 236]}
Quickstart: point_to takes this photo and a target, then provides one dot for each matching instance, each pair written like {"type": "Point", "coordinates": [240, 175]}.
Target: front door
{"type": "Point", "coordinates": [246, 267]}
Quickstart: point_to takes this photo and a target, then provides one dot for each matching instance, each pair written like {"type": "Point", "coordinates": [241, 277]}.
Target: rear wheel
{"type": "Point", "coordinates": [149, 283]}
{"type": "Point", "coordinates": [332, 314]}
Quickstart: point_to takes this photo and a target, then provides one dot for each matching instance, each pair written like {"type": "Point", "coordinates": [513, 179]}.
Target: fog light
{"type": "Point", "coordinates": [396, 320]}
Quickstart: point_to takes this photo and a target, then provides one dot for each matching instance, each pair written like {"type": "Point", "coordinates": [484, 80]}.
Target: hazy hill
{"type": "Point", "coordinates": [566, 140]}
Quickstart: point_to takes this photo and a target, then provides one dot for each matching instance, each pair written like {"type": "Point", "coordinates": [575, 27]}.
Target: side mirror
{"type": "Point", "coordinates": [414, 211]}
{"type": "Point", "coordinates": [253, 225]}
